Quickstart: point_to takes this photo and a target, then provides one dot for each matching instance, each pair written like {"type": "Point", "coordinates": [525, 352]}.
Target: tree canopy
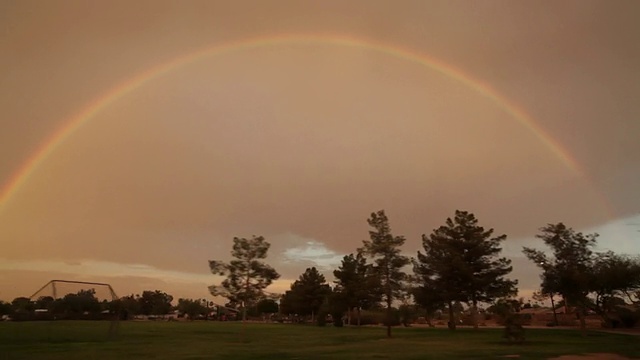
{"type": "Point", "coordinates": [461, 263]}
{"type": "Point", "coordinates": [613, 277]}
{"type": "Point", "coordinates": [155, 303]}
{"type": "Point", "coordinates": [357, 284]}
{"type": "Point", "coordinates": [247, 275]}
{"type": "Point", "coordinates": [584, 278]}
{"type": "Point", "coordinates": [267, 306]}
{"type": "Point", "coordinates": [388, 262]}
{"type": "Point", "coordinates": [192, 308]}
{"type": "Point", "coordinates": [307, 294]}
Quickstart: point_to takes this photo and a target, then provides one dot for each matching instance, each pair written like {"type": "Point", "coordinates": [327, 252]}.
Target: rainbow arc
{"type": "Point", "coordinates": [88, 112]}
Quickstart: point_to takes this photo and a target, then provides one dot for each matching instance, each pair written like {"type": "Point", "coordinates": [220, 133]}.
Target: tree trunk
{"type": "Point", "coordinates": [553, 307]}
{"type": "Point", "coordinates": [389, 317]}
{"type": "Point", "coordinates": [600, 309]}
{"type": "Point", "coordinates": [246, 292]}
{"type": "Point", "coordinates": [452, 321]}
{"type": "Point", "coordinates": [474, 314]}
{"type": "Point", "coordinates": [427, 318]}
{"type": "Point", "coordinates": [358, 315]}
{"type": "Point", "coordinates": [349, 316]}
{"type": "Point", "coordinates": [581, 316]}
{"type": "Point", "coordinates": [312, 316]}
{"type": "Point", "coordinates": [244, 312]}
{"type": "Point", "coordinates": [389, 300]}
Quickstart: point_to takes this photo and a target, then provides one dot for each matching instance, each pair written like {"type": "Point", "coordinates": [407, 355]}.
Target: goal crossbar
{"type": "Point", "coordinates": [53, 286]}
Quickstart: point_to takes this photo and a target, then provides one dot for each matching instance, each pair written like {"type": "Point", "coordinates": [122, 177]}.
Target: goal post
{"type": "Point", "coordinates": [60, 300]}
{"type": "Point", "coordinates": [52, 283]}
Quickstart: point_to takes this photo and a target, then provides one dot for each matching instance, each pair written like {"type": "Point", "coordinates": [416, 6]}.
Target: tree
{"type": "Point", "coordinates": [357, 283]}
{"type": "Point", "coordinates": [126, 306]}
{"type": "Point", "coordinates": [155, 303]}
{"type": "Point", "coordinates": [384, 249]}
{"type": "Point", "coordinates": [568, 271]}
{"type": "Point", "coordinates": [542, 295]}
{"type": "Point", "coordinates": [45, 302]}
{"type": "Point", "coordinates": [22, 304]}
{"type": "Point", "coordinates": [81, 302]}
{"type": "Point", "coordinates": [307, 294]}
{"type": "Point", "coordinates": [5, 308]}
{"type": "Point", "coordinates": [613, 279]}
{"type": "Point", "coordinates": [505, 306]}
{"type": "Point", "coordinates": [247, 276]}
{"type": "Point", "coordinates": [429, 299]}
{"type": "Point", "coordinates": [461, 263]}
{"type": "Point", "coordinates": [192, 308]}
{"type": "Point", "coordinates": [336, 306]}
{"type": "Point", "coordinates": [267, 306]}
{"type": "Point", "coordinates": [53, 306]}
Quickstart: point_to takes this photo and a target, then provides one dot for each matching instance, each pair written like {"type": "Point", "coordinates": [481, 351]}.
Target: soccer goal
{"type": "Point", "coordinates": [68, 310]}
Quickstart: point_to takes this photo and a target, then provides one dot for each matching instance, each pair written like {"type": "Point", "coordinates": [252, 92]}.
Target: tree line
{"type": "Point", "coordinates": [460, 263]}
{"type": "Point", "coordinates": [84, 304]}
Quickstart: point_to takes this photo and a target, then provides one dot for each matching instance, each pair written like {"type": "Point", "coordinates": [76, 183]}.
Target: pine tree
{"type": "Point", "coordinates": [384, 249]}
{"type": "Point", "coordinates": [461, 263]}
{"type": "Point", "coordinates": [247, 276]}
{"type": "Point", "coordinates": [357, 284]}
{"type": "Point", "coordinates": [307, 294]}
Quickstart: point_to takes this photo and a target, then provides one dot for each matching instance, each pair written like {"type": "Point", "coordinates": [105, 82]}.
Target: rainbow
{"type": "Point", "coordinates": [69, 127]}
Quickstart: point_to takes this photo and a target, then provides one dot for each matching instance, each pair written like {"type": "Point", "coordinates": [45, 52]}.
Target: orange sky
{"type": "Point", "coordinates": [299, 142]}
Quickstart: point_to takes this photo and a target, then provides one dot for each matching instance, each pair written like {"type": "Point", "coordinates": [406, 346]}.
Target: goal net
{"type": "Point", "coordinates": [65, 310]}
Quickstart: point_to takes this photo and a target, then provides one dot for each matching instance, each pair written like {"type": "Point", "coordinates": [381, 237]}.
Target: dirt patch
{"type": "Point", "coordinates": [594, 356]}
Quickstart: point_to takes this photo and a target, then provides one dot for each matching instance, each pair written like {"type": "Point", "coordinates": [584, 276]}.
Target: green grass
{"type": "Point", "coordinates": [214, 340]}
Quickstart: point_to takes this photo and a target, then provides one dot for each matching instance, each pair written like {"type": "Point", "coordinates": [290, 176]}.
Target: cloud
{"type": "Point", "coordinates": [101, 268]}
{"type": "Point", "coordinates": [22, 278]}
{"type": "Point", "coordinates": [312, 252]}
{"type": "Point", "coordinates": [621, 236]}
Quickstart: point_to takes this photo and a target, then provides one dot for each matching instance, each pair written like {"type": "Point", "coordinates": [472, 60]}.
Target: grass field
{"type": "Point", "coordinates": [214, 340]}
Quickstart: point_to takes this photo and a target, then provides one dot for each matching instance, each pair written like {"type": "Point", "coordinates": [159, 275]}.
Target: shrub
{"type": "Point", "coordinates": [395, 318]}
{"type": "Point", "coordinates": [629, 319]}
{"type": "Point", "coordinates": [467, 319]}
{"type": "Point", "coordinates": [513, 330]}
{"type": "Point", "coordinates": [322, 319]}
{"type": "Point", "coordinates": [566, 321]}
{"type": "Point", "coordinates": [369, 318]}
{"type": "Point", "coordinates": [337, 319]}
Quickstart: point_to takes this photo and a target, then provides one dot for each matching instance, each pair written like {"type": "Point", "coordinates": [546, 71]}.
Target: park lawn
{"type": "Point", "coordinates": [226, 340]}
